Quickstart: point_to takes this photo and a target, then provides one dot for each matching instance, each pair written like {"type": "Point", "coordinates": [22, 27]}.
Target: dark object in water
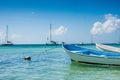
{"type": "Point", "coordinates": [27, 58]}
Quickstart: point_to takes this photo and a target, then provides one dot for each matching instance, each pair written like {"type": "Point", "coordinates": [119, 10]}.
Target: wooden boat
{"type": "Point", "coordinates": [107, 48]}
{"type": "Point", "coordinates": [85, 55]}
{"type": "Point", "coordinates": [7, 42]}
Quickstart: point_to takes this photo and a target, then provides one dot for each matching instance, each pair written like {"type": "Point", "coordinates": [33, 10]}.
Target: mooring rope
{"type": "Point", "coordinates": [43, 52]}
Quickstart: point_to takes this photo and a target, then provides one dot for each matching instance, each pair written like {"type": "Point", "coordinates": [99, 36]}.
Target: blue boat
{"type": "Point", "coordinates": [85, 55]}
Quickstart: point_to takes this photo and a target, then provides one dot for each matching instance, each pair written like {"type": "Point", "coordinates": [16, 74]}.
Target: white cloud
{"type": "Point", "coordinates": [12, 37]}
{"type": "Point", "coordinates": [59, 31]}
{"type": "Point", "coordinates": [111, 24]}
{"type": "Point", "coordinates": [15, 36]}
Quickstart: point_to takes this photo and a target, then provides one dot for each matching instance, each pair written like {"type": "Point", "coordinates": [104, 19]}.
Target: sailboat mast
{"type": "Point", "coordinates": [50, 32]}
{"type": "Point", "coordinates": [6, 33]}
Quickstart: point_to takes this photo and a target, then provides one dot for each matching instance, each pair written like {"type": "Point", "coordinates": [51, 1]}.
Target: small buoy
{"type": "Point", "coordinates": [27, 58]}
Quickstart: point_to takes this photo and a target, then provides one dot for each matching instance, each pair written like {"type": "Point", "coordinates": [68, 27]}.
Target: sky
{"type": "Point", "coordinates": [73, 21]}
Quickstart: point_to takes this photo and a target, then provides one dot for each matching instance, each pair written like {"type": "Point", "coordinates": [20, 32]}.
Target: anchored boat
{"type": "Point", "coordinates": [7, 42]}
{"type": "Point", "coordinates": [107, 48]}
{"type": "Point", "coordinates": [85, 55]}
{"type": "Point", "coordinates": [50, 41]}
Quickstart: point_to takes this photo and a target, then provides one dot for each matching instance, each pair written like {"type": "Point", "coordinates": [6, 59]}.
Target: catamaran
{"type": "Point", "coordinates": [7, 42]}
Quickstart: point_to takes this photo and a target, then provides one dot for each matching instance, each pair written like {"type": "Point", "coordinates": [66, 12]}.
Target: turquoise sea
{"type": "Point", "coordinates": [50, 63]}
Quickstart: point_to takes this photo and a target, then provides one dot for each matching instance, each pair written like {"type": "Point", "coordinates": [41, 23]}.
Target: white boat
{"type": "Point", "coordinates": [84, 55]}
{"type": "Point", "coordinates": [107, 48]}
{"type": "Point", "coordinates": [7, 42]}
{"type": "Point", "coordinates": [50, 41]}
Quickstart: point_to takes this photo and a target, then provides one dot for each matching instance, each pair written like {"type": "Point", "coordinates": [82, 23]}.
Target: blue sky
{"type": "Point", "coordinates": [72, 20]}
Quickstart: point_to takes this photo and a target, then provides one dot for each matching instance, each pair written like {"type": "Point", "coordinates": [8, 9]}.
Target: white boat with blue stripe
{"type": "Point", "coordinates": [85, 55]}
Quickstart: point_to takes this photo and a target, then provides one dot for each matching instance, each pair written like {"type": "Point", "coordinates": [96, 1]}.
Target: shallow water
{"type": "Point", "coordinates": [49, 63]}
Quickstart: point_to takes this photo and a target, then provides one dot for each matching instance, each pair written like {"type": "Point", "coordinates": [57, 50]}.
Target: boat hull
{"type": "Point", "coordinates": [93, 59]}
{"type": "Point", "coordinates": [7, 44]}
{"type": "Point", "coordinates": [107, 48]}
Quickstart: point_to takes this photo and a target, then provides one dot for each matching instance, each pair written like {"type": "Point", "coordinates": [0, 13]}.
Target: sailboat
{"type": "Point", "coordinates": [7, 42]}
{"type": "Point", "coordinates": [51, 42]}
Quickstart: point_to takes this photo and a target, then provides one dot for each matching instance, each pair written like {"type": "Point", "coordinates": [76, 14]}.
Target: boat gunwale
{"type": "Point", "coordinates": [107, 57]}
{"type": "Point", "coordinates": [105, 48]}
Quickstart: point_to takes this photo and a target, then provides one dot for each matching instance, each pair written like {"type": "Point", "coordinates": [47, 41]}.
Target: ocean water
{"type": "Point", "coordinates": [50, 63]}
